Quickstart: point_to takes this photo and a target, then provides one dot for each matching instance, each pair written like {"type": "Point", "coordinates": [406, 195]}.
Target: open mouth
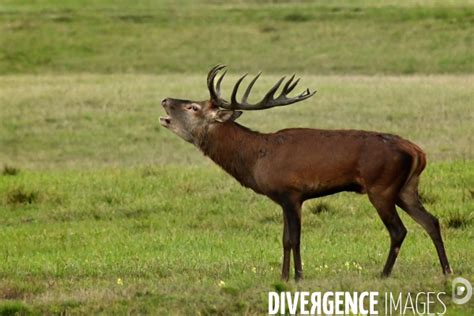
{"type": "Point", "coordinates": [165, 121]}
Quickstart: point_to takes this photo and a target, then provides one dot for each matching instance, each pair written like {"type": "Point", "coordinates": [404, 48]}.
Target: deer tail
{"type": "Point", "coordinates": [418, 161]}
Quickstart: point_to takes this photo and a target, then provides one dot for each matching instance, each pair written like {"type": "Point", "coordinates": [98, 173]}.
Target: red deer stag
{"type": "Point", "coordinates": [296, 164]}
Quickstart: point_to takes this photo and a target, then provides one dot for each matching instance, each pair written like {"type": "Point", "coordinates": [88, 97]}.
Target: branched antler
{"type": "Point", "coordinates": [268, 100]}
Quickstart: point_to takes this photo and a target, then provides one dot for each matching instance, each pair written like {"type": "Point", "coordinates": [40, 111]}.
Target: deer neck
{"type": "Point", "coordinates": [234, 148]}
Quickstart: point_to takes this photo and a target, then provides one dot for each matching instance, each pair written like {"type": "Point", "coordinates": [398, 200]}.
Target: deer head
{"type": "Point", "coordinates": [190, 119]}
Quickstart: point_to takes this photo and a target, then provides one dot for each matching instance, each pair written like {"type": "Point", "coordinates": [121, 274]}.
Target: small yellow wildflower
{"type": "Point", "coordinates": [254, 270]}
{"type": "Point", "coordinates": [357, 266]}
{"type": "Point", "coordinates": [119, 281]}
{"type": "Point", "coordinates": [221, 283]}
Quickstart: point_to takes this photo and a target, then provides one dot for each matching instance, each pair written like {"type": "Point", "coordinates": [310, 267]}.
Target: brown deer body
{"type": "Point", "coordinates": [293, 165]}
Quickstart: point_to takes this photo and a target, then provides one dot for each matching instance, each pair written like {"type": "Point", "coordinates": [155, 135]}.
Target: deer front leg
{"type": "Point", "coordinates": [285, 270]}
{"type": "Point", "coordinates": [291, 239]}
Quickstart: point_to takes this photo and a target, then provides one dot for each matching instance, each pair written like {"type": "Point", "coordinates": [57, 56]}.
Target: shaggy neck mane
{"type": "Point", "coordinates": [233, 147]}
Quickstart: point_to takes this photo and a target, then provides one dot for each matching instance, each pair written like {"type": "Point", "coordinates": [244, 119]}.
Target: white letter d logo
{"type": "Point", "coordinates": [462, 291]}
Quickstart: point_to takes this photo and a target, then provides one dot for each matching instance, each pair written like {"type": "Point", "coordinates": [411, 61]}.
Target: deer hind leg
{"type": "Point", "coordinates": [387, 212]}
{"type": "Point", "coordinates": [410, 202]}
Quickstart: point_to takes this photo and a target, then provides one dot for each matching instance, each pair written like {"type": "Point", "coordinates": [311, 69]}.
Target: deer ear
{"type": "Point", "coordinates": [226, 115]}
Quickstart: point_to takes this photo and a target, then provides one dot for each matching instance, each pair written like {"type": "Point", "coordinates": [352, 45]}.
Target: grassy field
{"type": "Point", "coordinates": [90, 121]}
{"type": "Point", "coordinates": [105, 212]}
{"type": "Point", "coordinates": [104, 195]}
{"type": "Point", "coordinates": [344, 37]}
{"type": "Point", "coordinates": [190, 240]}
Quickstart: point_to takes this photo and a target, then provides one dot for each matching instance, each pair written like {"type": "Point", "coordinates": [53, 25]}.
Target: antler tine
{"type": "Point", "coordinates": [218, 85]}
{"type": "Point", "coordinates": [306, 94]}
{"type": "Point", "coordinates": [233, 98]}
{"type": "Point", "coordinates": [215, 95]}
{"type": "Point", "coordinates": [249, 88]}
{"type": "Point", "coordinates": [212, 73]}
{"type": "Point", "coordinates": [287, 84]}
{"type": "Point", "coordinates": [290, 88]}
{"type": "Point", "coordinates": [272, 91]}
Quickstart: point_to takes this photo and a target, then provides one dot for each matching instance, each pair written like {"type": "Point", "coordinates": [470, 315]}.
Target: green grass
{"type": "Point", "coordinates": [104, 212]}
{"type": "Point", "coordinates": [173, 233]}
{"type": "Point", "coordinates": [362, 37]}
